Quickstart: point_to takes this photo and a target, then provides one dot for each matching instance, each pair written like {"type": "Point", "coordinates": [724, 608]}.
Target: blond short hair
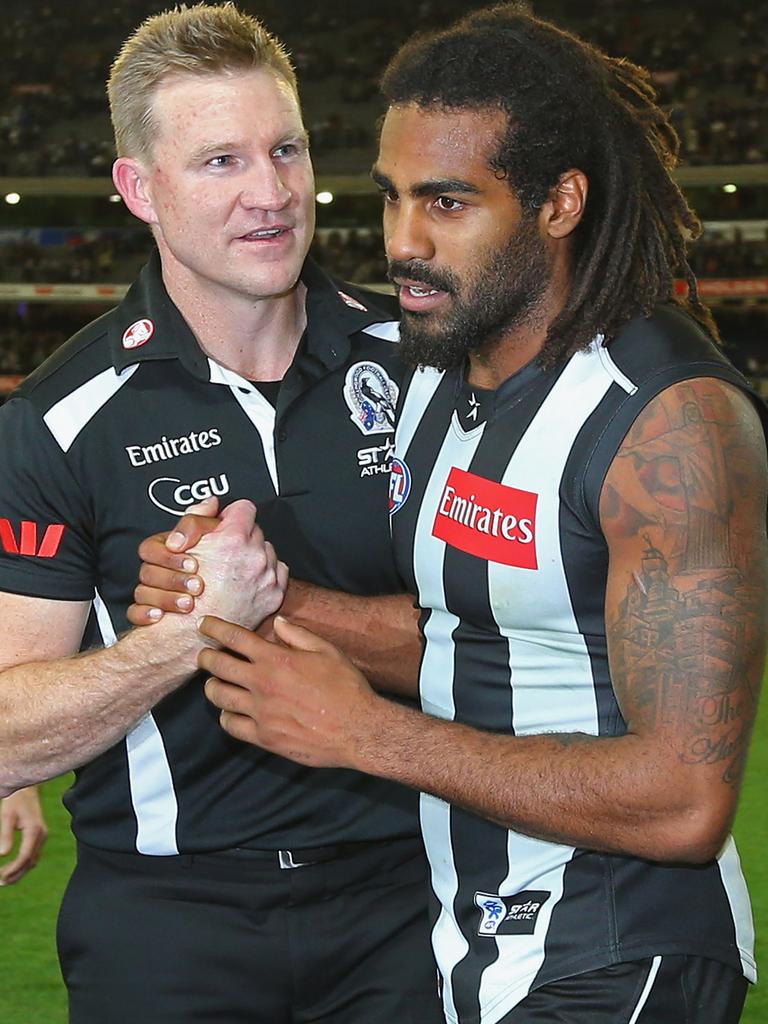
{"type": "Point", "coordinates": [199, 40]}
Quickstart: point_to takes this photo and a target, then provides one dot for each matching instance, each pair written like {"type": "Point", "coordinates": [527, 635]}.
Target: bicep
{"type": "Point", "coordinates": [35, 629]}
{"type": "Point", "coordinates": [683, 512]}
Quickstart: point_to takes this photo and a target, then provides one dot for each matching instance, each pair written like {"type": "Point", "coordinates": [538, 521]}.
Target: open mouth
{"type": "Point", "coordinates": [264, 234]}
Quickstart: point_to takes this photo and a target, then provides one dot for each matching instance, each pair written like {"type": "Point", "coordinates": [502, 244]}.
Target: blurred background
{"type": "Point", "coordinates": [68, 246]}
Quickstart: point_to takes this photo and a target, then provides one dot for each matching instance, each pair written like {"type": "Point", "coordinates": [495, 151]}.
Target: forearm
{"type": "Point", "coordinates": [58, 714]}
{"type": "Point", "coordinates": [379, 634]}
{"type": "Point", "coordinates": [620, 795]}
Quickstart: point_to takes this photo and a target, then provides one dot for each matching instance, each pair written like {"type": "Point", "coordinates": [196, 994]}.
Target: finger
{"type": "Point", "coordinates": [228, 697]}
{"type": "Point", "coordinates": [229, 635]}
{"type": "Point", "coordinates": [163, 599]}
{"type": "Point", "coordinates": [26, 858]}
{"type": "Point", "coordinates": [229, 667]}
{"type": "Point", "coordinates": [240, 727]}
{"type": "Point", "coordinates": [301, 639]}
{"type": "Point", "coordinates": [143, 614]}
{"type": "Point", "coordinates": [153, 551]}
{"type": "Point", "coordinates": [7, 826]}
{"type": "Point", "coordinates": [191, 528]}
{"type": "Point", "coordinates": [168, 579]}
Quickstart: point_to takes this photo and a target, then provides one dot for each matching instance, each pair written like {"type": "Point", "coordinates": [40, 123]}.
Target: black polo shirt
{"type": "Point", "coordinates": [111, 440]}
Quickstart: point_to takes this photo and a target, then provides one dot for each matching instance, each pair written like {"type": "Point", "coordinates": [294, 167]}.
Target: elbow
{"type": "Point", "coordinates": [696, 837]}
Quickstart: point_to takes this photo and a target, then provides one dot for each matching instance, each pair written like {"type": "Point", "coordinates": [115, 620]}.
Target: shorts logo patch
{"type": "Point", "coordinates": [399, 485]}
{"type": "Point", "coordinates": [510, 915]}
{"type": "Point", "coordinates": [171, 495]}
{"type": "Point", "coordinates": [371, 395]}
{"type": "Point", "coordinates": [352, 302]}
{"type": "Point", "coordinates": [487, 519]}
{"type": "Point", "coordinates": [26, 543]}
{"type": "Point", "coordinates": [138, 333]}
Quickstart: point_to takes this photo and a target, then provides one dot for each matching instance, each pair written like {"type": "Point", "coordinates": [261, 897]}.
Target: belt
{"type": "Point", "coordinates": [302, 858]}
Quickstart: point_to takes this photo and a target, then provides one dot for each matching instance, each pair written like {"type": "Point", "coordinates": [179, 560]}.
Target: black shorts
{"type": "Point", "coordinates": [233, 938]}
{"type": "Point", "coordinates": [659, 990]}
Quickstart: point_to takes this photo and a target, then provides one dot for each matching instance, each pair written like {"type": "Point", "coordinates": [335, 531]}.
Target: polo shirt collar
{"type": "Point", "coordinates": [147, 325]}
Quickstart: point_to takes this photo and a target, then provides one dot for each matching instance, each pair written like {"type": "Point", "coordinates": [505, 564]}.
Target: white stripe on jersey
{"type": "Point", "coordinates": [389, 331]}
{"type": "Point", "coordinates": [70, 414]}
{"type": "Point", "coordinates": [259, 411]}
{"type": "Point", "coordinates": [655, 965]}
{"type": "Point", "coordinates": [618, 375]}
{"type": "Point", "coordinates": [557, 653]}
{"type": "Point", "coordinates": [735, 887]}
{"type": "Point", "coordinates": [149, 774]}
{"type": "Point", "coordinates": [423, 385]}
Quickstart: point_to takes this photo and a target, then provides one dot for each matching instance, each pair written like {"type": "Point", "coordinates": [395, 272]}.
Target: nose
{"type": "Point", "coordinates": [265, 188]}
{"type": "Point", "coordinates": [406, 233]}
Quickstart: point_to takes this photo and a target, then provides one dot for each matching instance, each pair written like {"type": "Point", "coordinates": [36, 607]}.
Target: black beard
{"type": "Point", "coordinates": [503, 294]}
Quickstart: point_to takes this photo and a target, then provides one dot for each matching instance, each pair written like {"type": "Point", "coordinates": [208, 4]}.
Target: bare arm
{"type": "Point", "coordinates": [666, 790]}
{"type": "Point", "coordinates": [58, 711]}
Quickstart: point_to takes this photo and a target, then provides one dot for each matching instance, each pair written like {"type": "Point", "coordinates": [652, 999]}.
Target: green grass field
{"type": "Point", "coordinates": [31, 991]}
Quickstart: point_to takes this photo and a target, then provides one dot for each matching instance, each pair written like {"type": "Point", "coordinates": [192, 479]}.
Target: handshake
{"type": "Point", "coordinates": [284, 688]}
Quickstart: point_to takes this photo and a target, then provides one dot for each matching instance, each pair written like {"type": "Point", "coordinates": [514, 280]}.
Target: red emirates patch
{"type": "Point", "coordinates": [138, 333]}
{"type": "Point", "coordinates": [488, 520]}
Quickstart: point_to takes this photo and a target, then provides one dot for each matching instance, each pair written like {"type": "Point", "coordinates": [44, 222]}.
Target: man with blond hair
{"type": "Point", "coordinates": [215, 882]}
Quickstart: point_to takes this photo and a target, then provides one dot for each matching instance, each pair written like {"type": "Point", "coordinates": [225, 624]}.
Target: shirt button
{"type": "Point", "coordinates": [282, 435]}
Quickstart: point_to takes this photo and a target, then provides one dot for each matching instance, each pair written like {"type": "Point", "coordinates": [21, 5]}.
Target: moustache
{"type": "Point", "coordinates": [415, 270]}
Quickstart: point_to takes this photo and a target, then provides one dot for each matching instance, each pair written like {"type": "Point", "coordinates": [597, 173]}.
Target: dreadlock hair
{"type": "Point", "coordinates": [568, 105]}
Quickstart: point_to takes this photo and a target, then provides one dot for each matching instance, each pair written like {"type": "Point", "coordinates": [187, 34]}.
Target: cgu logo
{"type": "Point", "coordinates": [180, 497]}
{"type": "Point", "coordinates": [26, 543]}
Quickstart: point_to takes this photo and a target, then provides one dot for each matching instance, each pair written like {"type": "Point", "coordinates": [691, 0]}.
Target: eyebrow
{"type": "Point", "coordinates": [229, 145]}
{"type": "Point", "coordinates": [430, 187]}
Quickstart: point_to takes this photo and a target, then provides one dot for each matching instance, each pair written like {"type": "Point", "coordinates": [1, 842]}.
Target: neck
{"type": "Point", "coordinates": [493, 363]}
{"type": "Point", "coordinates": [255, 337]}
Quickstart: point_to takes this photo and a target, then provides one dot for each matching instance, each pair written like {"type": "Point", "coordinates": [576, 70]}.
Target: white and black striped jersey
{"type": "Point", "coordinates": [111, 440]}
{"type": "Point", "coordinates": [494, 499]}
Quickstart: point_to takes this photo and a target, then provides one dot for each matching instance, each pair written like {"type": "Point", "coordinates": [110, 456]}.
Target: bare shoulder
{"type": "Point", "coordinates": [683, 510]}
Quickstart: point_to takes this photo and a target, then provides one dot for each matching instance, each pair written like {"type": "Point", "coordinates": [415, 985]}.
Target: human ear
{"type": "Point", "coordinates": [564, 207]}
{"type": "Point", "coordinates": [131, 177]}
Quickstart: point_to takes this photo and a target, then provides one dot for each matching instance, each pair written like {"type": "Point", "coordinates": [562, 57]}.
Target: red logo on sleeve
{"type": "Point", "coordinates": [26, 543]}
{"type": "Point", "coordinates": [488, 520]}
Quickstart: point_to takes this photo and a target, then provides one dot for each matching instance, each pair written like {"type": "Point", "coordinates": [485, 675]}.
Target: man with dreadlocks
{"type": "Point", "coordinates": [578, 501]}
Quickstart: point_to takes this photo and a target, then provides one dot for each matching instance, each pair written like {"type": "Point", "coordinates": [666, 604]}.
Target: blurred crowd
{"type": "Point", "coordinates": [355, 254]}
{"type": "Point", "coordinates": [709, 62]}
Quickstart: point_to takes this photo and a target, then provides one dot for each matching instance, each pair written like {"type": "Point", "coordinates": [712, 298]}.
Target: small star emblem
{"type": "Point", "coordinates": [474, 405]}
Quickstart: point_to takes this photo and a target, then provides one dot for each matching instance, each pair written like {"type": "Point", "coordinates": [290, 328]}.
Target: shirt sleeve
{"type": "Point", "coordinates": [46, 527]}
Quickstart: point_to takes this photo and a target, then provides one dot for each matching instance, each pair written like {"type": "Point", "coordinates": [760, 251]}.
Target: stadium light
{"type": "Point", "coordinates": [324, 198]}
{"type": "Point", "coordinates": [115, 198]}
{"type": "Point", "coordinates": [730, 188]}
{"type": "Point", "coordinates": [12, 198]}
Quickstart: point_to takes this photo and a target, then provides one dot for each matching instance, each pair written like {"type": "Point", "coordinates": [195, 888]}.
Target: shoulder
{"type": "Point", "coordinates": [78, 360]}
{"type": "Point", "coordinates": [669, 344]}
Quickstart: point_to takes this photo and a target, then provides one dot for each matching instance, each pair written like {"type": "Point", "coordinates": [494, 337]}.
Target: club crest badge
{"type": "Point", "coordinates": [371, 395]}
{"type": "Point", "coordinates": [138, 333]}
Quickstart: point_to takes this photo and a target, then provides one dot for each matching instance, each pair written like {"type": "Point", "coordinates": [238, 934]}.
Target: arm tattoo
{"type": "Point", "coordinates": [689, 619]}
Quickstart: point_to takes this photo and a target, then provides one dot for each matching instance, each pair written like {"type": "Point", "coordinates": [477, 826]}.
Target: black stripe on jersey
{"type": "Point", "coordinates": [585, 563]}
{"type": "Point", "coordinates": [481, 660]}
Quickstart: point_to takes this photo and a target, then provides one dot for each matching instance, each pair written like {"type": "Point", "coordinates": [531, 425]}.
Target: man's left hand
{"type": "Point", "coordinates": [21, 812]}
{"type": "Point", "coordinates": [299, 697]}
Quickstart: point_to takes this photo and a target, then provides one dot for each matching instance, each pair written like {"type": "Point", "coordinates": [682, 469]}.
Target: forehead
{"type": "Point", "coordinates": [419, 143]}
{"type": "Point", "coordinates": [188, 105]}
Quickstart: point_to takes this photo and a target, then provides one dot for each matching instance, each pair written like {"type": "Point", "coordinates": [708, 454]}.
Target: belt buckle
{"type": "Point", "coordinates": [286, 861]}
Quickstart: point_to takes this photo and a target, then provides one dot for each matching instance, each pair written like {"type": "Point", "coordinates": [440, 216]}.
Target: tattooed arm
{"type": "Point", "coordinates": [685, 608]}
